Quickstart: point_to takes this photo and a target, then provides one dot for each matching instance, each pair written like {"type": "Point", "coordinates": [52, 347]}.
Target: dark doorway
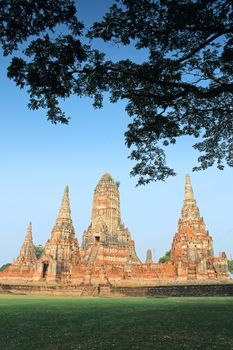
{"type": "Point", "coordinates": [45, 269]}
{"type": "Point", "coordinates": [97, 239]}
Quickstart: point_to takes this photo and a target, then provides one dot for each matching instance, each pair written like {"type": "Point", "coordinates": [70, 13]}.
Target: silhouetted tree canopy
{"type": "Point", "coordinates": [20, 19]}
{"type": "Point", "coordinates": [184, 86]}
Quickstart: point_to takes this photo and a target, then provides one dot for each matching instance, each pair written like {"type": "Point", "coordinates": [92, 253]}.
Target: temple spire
{"type": "Point", "coordinates": [106, 204]}
{"type": "Point", "coordinates": [188, 194]}
{"type": "Point", "coordinates": [65, 212]}
{"type": "Point", "coordinates": [61, 250]}
{"type": "Point", "coordinates": [27, 252]}
{"type": "Point", "coordinates": [28, 236]}
{"type": "Point", "coordinates": [190, 209]}
{"type": "Point", "coordinates": [149, 257]}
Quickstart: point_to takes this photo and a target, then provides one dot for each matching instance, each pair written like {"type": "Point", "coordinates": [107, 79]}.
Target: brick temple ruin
{"type": "Point", "coordinates": [107, 254]}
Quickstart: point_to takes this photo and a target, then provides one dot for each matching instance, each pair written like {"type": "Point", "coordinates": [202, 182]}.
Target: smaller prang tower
{"type": "Point", "coordinates": [149, 257]}
{"type": "Point", "coordinates": [23, 266]}
{"type": "Point", "coordinates": [192, 248]}
{"type": "Point", "coordinates": [61, 253]}
{"type": "Point", "coordinates": [107, 242]}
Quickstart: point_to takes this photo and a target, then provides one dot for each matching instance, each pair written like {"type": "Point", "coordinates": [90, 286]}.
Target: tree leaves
{"type": "Point", "coordinates": [184, 86]}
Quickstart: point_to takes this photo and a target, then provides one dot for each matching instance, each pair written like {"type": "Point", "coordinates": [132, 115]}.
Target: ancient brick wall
{"type": "Point", "coordinates": [205, 290]}
{"type": "Point", "coordinates": [209, 290]}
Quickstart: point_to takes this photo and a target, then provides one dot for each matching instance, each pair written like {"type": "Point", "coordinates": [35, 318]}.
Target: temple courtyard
{"type": "Point", "coordinates": [40, 322]}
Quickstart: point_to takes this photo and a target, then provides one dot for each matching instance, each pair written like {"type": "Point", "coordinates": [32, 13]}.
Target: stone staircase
{"type": "Point", "coordinates": [192, 272]}
{"type": "Point", "coordinates": [89, 291]}
{"type": "Point", "coordinates": [93, 255]}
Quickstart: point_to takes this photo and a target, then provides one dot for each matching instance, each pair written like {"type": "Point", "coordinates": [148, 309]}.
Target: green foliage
{"type": "Point", "coordinates": [166, 257]}
{"type": "Point", "coordinates": [230, 266]}
{"type": "Point", "coordinates": [22, 19]}
{"type": "Point", "coordinates": [126, 324]}
{"type": "Point", "coordinates": [118, 184]}
{"type": "Point", "coordinates": [184, 86]}
{"type": "Point", "coordinates": [39, 249]}
{"type": "Point", "coordinates": [4, 266]}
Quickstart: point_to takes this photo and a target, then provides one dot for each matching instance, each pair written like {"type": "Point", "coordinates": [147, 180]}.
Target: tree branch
{"type": "Point", "coordinates": [202, 45]}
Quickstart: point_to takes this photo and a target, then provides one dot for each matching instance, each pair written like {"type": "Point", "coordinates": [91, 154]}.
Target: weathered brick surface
{"type": "Point", "coordinates": [175, 291]}
{"type": "Point", "coordinates": [192, 248]}
{"type": "Point", "coordinates": [210, 290]}
{"type": "Point", "coordinates": [107, 257]}
{"type": "Point", "coordinates": [24, 264]}
{"type": "Point", "coordinates": [61, 252]}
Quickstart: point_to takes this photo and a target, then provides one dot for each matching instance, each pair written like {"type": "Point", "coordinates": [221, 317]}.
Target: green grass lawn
{"type": "Point", "coordinates": [31, 323]}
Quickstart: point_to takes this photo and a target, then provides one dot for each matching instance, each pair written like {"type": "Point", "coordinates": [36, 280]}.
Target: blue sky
{"type": "Point", "coordinates": [38, 159]}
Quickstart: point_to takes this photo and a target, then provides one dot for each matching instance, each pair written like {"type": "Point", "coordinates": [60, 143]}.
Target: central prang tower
{"type": "Point", "coordinates": [107, 241]}
{"type": "Point", "coordinates": [106, 204]}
